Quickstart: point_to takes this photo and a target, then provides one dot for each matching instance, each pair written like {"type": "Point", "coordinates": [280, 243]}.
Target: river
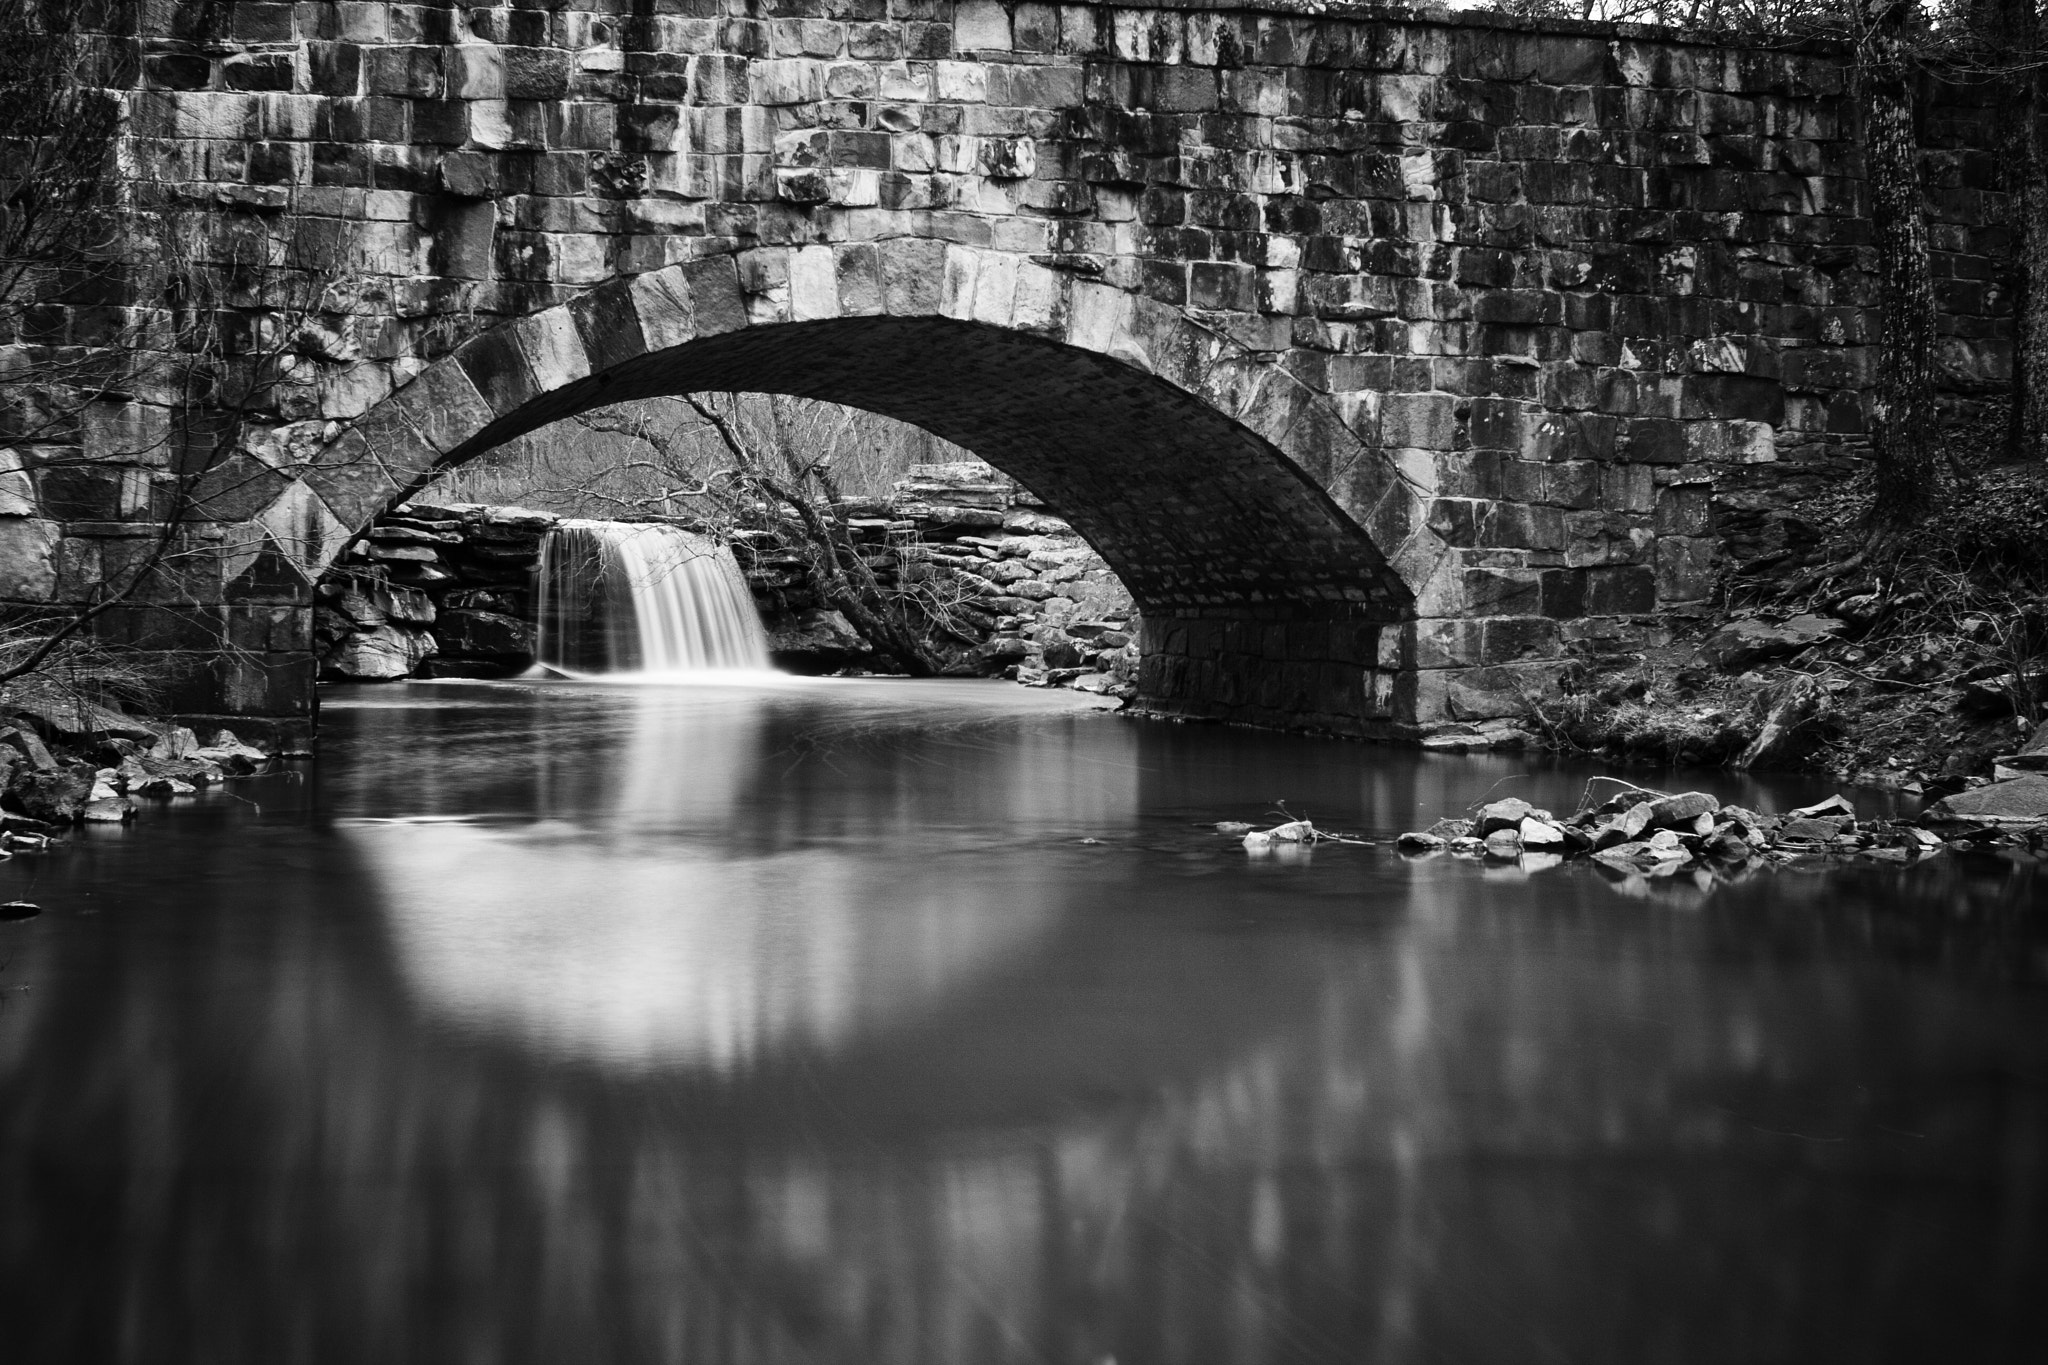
{"type": "Point", "coordinates": [875, 1022]}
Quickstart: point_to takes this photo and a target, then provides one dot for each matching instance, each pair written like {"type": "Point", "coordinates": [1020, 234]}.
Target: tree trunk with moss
{"type": "Point", "coordinates": [2017, 44]}
{"type": "Point", "coordinates": [1914, 479]}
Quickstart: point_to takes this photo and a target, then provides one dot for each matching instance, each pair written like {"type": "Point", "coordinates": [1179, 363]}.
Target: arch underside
{"type": "Point", "coordinates": [1195, 512]}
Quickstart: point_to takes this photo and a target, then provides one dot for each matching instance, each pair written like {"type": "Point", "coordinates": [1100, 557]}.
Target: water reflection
{"type": "Point", "coordinates": [281, 1097]}
{"type": "Point", "coordinates": [639, 916]}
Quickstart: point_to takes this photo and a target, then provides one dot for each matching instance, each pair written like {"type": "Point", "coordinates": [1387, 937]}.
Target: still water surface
{"type": "Point", "coordinates": [886, 1022]}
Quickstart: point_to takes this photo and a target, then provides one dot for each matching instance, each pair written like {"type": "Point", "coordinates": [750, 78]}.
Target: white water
{"type": "Point", "coordinates": [645, 599]}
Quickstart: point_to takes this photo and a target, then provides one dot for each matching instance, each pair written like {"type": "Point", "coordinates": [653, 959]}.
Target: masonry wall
{"type": "Point", "coordinates": [1562, 283]}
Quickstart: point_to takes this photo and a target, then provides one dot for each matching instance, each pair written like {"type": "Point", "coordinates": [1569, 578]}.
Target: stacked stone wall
{"type": "Point", "coordinates": [1433, 339]}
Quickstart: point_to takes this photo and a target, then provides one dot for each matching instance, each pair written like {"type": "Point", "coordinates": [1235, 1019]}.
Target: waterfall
{"type": "Point", "coordinates": [642, 597]}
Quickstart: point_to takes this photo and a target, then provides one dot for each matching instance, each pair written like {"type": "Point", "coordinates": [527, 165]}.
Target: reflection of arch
{"type": "Point", "coordinates": [1210, 477]}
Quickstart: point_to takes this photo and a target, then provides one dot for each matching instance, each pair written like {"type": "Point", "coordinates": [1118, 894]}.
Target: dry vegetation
{"type": "Point", "coordinates": [1939, 663]}
{"type": "Point", "coordinates": [643, 458]}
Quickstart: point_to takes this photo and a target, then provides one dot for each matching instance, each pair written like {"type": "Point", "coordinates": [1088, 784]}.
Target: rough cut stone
{"type": "Point", "coordinates": [1740, 644]}
{"type": "Point", "coordinates": [1318, 324]}
{"type": "Point", "coordinates": [379, 655]}
{"type": "Point", "coordinates": [2023, 800]}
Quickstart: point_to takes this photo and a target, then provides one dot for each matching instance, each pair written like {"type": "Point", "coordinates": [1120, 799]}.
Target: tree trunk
{"type": "Point", "coordinates": [1913, 479]}
{"type": "Point", "coordinates": [2030, 246]}
{"type": "Point", "coordinates": [2013, 45]}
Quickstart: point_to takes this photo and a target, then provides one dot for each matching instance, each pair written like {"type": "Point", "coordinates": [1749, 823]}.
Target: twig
{"type": "Point", "coordinates": [1586, 794]}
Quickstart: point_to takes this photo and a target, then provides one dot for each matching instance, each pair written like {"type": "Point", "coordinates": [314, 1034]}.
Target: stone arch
{"type": "Point", "coordinates": [1273, 551]}
{"type": "Point", "coordinates": [1210, 478]}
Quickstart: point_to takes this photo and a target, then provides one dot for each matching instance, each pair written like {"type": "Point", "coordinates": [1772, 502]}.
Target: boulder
{"type": "Point", "coordinates": [2020, 801]}
{"type": "Point", "coordinates": [1417, 841]}
{"type": "Point", "coordinates": [30, 746]}
{"type": "Point", "coordinates": [1681, 811]}
{"type": "Point", "coordinates": [1504, 843]}
{"type": "Point", "coordinates": [1540, 835]}
{"type": "Point", "coordinates": [483, 634]}
{"type": "Point", "coordinates": [815, 641]}
{"type": "Point", "coordinates": [226, 748]}
{"type": "Point", "coordinates": [1814, 830]}
{"type": "Point", "coordinates": [1034, 523]}
{"type": "Point", "coordinates": [2037, 743]}
{"type": "Point", "coordinates": [1739, 644]}
{"type": "Point", "coordinates": [175, 743]}
{"type": "Point", "coordinates": [372, 602]}
{"type": "Point", "coordinates": [54, 798]}
{"type": "Point", "coordinates": [1833, 805]}
{"type": "Point", "coordinates": [108, 810]}
{"type": "Point", "coordinates": [378, 655]}
{"type": "Point", "coordinates": [1504, 814]}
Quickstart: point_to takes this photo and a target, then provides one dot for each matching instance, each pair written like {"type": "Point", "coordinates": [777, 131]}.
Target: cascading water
{"type": "Point", "coordinates": [642, 597]}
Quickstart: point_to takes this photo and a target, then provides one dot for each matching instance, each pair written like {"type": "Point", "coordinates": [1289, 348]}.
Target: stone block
{"type": "Point", "coordinates": [28, 555]}
{"type": "Point", "coordinates": [1630, 591]}
{"type": "Point", "coordinates": [1424, 421]}
{"type": "Point", "coordinates": [1685, 569]}
{"type": "Point", "coordinates": [1684, 511]}
{"type": "Point", "coordinates": [981, 25]}
{"type": "Point", "coordinates": [1501, 592]}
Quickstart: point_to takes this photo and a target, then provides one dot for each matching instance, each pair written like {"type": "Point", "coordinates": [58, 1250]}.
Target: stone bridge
{"type": "Point", "coordinates": [1392, 357]}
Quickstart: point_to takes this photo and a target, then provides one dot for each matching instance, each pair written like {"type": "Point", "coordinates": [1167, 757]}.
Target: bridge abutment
{"type": "Point", "coordinates": [1475, 331]}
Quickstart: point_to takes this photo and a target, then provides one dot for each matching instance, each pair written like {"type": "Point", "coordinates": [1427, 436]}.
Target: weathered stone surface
{"type": "Point", "coordinates": [378, 654]}
{"type": "Point", "coordinates": [1504, 814]}
{"type": "Point", "coordinates": [816, 641]}
{"type": "Point", "coordinates": [1740, 644]}
{"type": "Point", "coordinates": [2022, 800]}
{"type": "Point", "coordinates": [1679, 812]}
{"type": "Point", "coordinates": [484, 634]}
{"type": "Point", "coordinates": [1329, 321]}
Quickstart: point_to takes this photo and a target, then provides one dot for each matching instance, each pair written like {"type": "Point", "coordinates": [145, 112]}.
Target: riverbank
{"type": "Point", "coordinates": [1920, 670]}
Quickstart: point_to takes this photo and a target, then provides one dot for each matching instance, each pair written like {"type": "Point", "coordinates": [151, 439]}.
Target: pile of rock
{"type": "Point", "coordinates": [47, 790]}
{"type": "Point", "coordinates": [1658, 833]}
{"type": "Point", "coordinates": [433, 591]}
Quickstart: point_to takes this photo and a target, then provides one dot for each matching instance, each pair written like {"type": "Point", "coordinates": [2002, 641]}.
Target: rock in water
{"type": "Point", "coordinates": [379, 655]}
{"type": "Point", "coordinates": [1833, 806]}
{"type": "Point", "coordinates": [2020, 801]}
{"type": "Point", "coordinates": [1505, 814]}
{"type": "Point", "coordinates": [54, 798]}
{"type": "Point", "coordinates": [19, 909]}
{"type": "Point", "coordinates": [1679, 812]}
{"type": "Point", "coordinates": [1540, 835]}
{"type": "Point", "coordinates": [1415, 841]}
